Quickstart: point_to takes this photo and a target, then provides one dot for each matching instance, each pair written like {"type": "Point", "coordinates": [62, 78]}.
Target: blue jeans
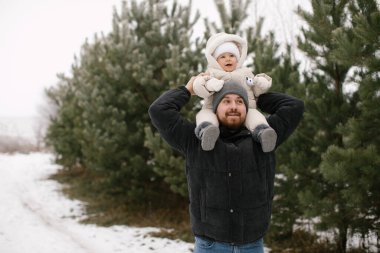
{"type": "Point", "coordinates": [205, 246]}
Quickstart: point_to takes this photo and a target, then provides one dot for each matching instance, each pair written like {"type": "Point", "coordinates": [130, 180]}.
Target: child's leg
{"type": "Point", "coordinates": [254, 119]}
{"type": "Point", "coordinates": [207, 129]}
{"type": "Point", "coordinates": [206, 115]}
{"type": "Point", "coordinates": [266, 136]}
{"type": "Point", "coordinates": [261, 130]}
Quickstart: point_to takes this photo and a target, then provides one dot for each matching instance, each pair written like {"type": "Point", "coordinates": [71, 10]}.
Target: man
{"type": "Point", "coordinates": [231, 186]}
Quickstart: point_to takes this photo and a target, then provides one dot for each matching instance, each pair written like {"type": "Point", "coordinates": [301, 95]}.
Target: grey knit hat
{"type": "Point", "coordinates": [230, 88]}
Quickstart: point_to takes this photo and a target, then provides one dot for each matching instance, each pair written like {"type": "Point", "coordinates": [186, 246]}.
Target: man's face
{"type": "Point", "coordinates": [231, 111]}
{"type": "Point", "coordinates": [227, 61]}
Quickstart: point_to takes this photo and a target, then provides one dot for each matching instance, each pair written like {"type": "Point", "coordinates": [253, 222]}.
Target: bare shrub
{"type": "Point", "coordinates": [11, 144]}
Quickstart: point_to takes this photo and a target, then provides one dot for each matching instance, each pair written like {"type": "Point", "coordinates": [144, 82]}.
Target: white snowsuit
{"type": "Point", "coordinates": [205, 87]}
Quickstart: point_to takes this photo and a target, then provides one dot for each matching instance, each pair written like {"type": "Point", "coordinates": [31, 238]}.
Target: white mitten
{"type": "Point", "coordinates": [262, 83]}
{"type": "Point", "coordinates": [214, 84]}
{"type": "Point", "coordinates": [199, 87]}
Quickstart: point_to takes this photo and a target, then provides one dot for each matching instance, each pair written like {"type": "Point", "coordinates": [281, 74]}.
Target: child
{"type": "Point", "coordinates": [225, 55]}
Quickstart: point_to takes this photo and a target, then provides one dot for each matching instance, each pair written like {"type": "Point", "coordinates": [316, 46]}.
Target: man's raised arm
{"type": "Point", "coordinates": [285, 113]}
{"type": "Point", "coordinates": [165, 115]}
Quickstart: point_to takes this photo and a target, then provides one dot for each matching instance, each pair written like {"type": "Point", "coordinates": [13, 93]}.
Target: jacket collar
{"type": "Point", "coordinates": [232, 135]}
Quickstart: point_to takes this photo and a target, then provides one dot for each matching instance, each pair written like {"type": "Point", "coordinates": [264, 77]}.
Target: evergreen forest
{"type": "Point", "coordinates": [327, 190]}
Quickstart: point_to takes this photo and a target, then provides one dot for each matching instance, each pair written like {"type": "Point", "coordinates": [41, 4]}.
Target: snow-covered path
{"type": "Point", "coordinates": [36, 217]}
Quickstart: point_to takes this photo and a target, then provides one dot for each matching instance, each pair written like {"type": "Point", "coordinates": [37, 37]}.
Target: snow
{"type": "Point", "coordinates": [36, 217]}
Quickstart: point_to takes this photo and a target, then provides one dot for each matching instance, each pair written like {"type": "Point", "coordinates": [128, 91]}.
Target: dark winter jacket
{"type": "Point", "coordinates": [231, 186]}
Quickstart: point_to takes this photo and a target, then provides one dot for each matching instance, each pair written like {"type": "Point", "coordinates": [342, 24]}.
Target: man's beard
{"type": "Point", "coordinates": [229, 123]}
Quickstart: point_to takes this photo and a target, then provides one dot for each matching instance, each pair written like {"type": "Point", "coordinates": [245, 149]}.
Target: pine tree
{"type": "Point", "coordinates": [328, 108]}
{"type": "Point", "coordinates": [185, 60]}
{"type": "Point", "coordinates": [104, 105]}
{"type": "Point", "coordinates": [356, 164]}
{"type": "Point", "coordinates": [232, 20]}
{"type": "Point", "coordinates": [65, 126]}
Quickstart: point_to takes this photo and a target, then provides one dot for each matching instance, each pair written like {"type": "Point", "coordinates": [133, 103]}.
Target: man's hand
{"type": "Point", "coordinates": [189, 85]}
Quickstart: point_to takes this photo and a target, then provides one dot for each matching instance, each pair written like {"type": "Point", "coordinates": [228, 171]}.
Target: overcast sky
{"type": "Point", "coordinates": [39, 39]}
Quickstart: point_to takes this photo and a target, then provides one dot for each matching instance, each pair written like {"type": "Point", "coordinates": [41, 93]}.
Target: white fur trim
{"type": "Point", "coordinates": [217, 39]}
{"type": "Point", "coordinates": [227, 47]}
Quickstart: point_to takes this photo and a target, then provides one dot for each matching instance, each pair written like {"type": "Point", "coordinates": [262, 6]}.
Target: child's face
{"type": "Point", "coordinates": [227, 61]}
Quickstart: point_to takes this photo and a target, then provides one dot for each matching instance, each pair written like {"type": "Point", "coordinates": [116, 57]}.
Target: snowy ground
{"type": "Point", "coordinates": [36, 217]}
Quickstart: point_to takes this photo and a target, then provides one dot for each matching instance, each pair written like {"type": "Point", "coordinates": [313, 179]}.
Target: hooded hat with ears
{"type": "Point", "coordinates": [220, 38]}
